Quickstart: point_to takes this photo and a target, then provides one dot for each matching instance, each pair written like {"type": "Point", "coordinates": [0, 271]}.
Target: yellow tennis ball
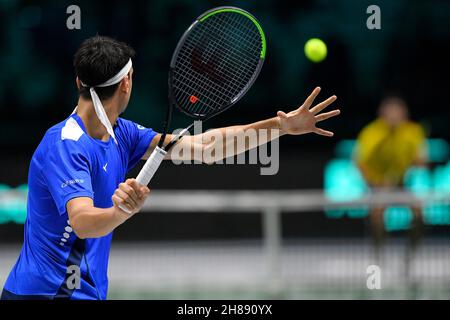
{"type": "Point", "coordinates": [316, 50]}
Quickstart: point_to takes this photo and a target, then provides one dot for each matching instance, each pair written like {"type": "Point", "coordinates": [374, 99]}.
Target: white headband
{"type": "Point", "coordinates": [99, 109]}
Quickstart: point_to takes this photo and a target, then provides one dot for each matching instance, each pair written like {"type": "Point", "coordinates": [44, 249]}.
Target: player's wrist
{"type": "Point", "coordinates": [120, 215]}
{"type": "Point", "coordinates": [279, 125]}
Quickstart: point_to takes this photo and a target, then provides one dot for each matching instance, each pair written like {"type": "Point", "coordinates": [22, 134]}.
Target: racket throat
{"type": "Point", "coordinates": [178, 137]}
{"type": "Point", "coordinates": [166, 125]}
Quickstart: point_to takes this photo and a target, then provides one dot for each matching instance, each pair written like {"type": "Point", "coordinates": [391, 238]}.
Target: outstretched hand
{"type": "Point", "coordinates": [304, 119]}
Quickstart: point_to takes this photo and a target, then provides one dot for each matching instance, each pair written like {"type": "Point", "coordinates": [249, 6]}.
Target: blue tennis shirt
{"type": "Point", "coordinates": [68, 163]}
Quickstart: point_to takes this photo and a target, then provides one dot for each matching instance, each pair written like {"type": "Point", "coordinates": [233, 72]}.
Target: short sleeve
{"type": "Point", "coordinates": [67, 173]}
{"type": "Point", "coordinates": [137, 139]}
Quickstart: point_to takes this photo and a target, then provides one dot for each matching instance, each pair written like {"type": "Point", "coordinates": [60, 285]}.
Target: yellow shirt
{"type": "Point", "coordinates": [386, 153]}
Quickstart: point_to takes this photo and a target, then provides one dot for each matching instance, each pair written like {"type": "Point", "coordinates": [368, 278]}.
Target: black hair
{"type": "Point", "coordinates": [98, 59]}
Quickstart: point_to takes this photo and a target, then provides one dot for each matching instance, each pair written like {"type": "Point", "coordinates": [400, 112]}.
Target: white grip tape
{"type": "Point", "coordinates": [150, 166]}
{"type": "Point", "coordinates": [148, 170]}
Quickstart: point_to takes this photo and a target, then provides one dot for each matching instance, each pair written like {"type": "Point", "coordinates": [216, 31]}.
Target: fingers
{"type": "Point", "coordinates": [327, 115]}
{"type": "Point", "coordinates": [136, 186]}
{"type": "Point", "coordinates": [323, 105]}
{"type": "Point", "coordinates": [145, 191]}
{"type": "Point", "coordinates": [323, 132]}
{"type": "Point", "coordinates": [119, 201]}
{"type": "Point", "coordinates": [130, 189]}
{"type": "Point", "coordinates": [141, 190]}
{"type": "Point", "coordinates": [131, 194]}
{"type": "Point", "coordinates": [126, 197]}
{"type": "Point", "coordinates": [309, 101]}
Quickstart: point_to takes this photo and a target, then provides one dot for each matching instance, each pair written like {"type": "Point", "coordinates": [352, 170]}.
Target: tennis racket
{"type": "Point", "coordinates": [215, 63]}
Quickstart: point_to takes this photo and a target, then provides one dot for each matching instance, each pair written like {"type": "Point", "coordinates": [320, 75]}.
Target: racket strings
{"type": "Point", "coordinates": [235, 56]}
{"type": "Point", "coordinates": [252, 48]}
{"type": "Point", "coordinates": [231, 60]}
{"type": "Point", "coordinates": [234, 81]}
{"type": "Point", "coordinates": [221, 91]}
{"type": "Point", "coordinates": [216, 62]}
{"type": "Point", "coordinates": [215, 91]}
{"type": "Point", "coordinates": [219, 94]}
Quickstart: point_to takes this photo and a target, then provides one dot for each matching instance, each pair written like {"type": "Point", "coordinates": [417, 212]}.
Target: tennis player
{"type": "Point", "coordinates": [76, 177]}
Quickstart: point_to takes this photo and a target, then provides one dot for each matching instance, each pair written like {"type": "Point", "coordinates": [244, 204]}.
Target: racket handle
{"type": "Point", "coordinates": [151, 165]}
{"type": "Point", "coordinates": [148, 170]}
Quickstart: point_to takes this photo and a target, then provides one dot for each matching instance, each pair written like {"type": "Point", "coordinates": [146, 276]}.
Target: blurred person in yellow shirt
{"type": "Point", "coordinates": [386, 148]}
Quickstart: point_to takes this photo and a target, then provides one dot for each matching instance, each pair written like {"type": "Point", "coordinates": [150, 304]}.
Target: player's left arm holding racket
{"type": "Point", "coordinates": [302, 120]}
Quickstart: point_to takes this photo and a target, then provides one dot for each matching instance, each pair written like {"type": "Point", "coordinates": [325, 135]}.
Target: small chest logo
{"type": "Point", "coordinates": [104, 167]}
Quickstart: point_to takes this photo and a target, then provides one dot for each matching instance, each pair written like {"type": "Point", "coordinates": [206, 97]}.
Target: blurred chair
{"type": "Point", "coordinates": [438, 213]}
{"type": "Point", "coordinates": [344, 182]}
{"type": "Point", "coordinates": [13, 204]}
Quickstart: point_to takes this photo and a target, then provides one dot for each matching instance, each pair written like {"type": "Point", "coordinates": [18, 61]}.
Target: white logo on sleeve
{"type": "Point", "coordinates": [140, 127]}
{"type": "Point", "coordinates": [104, 167]}
{"type": "Point", "coordinates": [71, 182]}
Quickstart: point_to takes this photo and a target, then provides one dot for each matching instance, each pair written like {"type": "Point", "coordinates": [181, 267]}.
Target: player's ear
{"type": "Point", "coordinates": [78, 82]}
{"type": "Point", "coordinates": [125, 84]}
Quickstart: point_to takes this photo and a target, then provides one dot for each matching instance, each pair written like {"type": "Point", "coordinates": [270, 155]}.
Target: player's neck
{"type": "Point", "coordinates": [94, 127]}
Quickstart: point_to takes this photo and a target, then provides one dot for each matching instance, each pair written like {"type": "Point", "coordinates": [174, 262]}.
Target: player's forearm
{"type": "Point", "coordinates": [230, 141]}
{"type": "Point", "coordinates": [91, 222]}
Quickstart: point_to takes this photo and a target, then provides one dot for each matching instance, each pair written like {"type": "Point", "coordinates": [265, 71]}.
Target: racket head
{"type": "Point", "coordinates": [216, 61]}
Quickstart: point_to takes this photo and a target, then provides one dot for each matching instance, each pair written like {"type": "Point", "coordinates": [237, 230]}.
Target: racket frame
{"type": "Point", "coordinates": [172, 100]}
{"type": "Point", "coordinates": [181, 42]}
{"type": "Point", "coordinates": [153, 162]}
